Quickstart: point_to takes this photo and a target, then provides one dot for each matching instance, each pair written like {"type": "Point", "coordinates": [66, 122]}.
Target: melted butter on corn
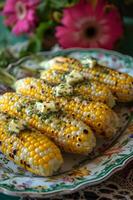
{"type": "Point", "coordinates": [74, 77]}
{"type": "Point", "coordinates": [45, 107]}
{"type": "Point", "coordinates": [28, 148]}
{"type": "Point", "coordinates": [70, 134]}
{"type": "Point", "coordinates": [89, 90]}
{"type": "Point", "coordinates": [95, 114]}
{"type": "Point", "coordinates": [63, 89]}
{"type": "Point", "coordinates": [15, 126]}
{"type": "Point", "coordinates": [58, 61]}
{"type": "Point", "coordinates": [120, 84]}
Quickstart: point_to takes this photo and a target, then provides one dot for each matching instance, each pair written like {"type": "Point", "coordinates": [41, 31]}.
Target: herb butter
{"type": "Point", "coordinates": [74, 77]}
{"type": "Point", "coordinates": [63, 89]}
{"type": "Point", "coordinates": [45, 107]}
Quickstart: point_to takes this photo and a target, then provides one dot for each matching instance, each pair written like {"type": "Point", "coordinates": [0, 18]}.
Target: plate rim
{"type": "Point", "coordinates": [84, 184]}
{"type": "Point", "coordinates": [70, 50]}
{"type": "Point", "coordinates": [71, 190]}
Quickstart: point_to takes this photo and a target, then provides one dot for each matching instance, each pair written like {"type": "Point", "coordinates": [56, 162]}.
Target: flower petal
{"type": "Point", "coordinates": [9, 6]}
{"type": "Point", "coordinates": [66, 37]}
{"type": "Point", "coordinates": [31, 3]}
{"type": "Point", "coordinates": [75, 20]}
{"type": "Point", "coordinates": [21, 27]}
{"type": "Point", "coordinates": [31, 16]}
{"type": "Point", "coordinates": [23, 24]}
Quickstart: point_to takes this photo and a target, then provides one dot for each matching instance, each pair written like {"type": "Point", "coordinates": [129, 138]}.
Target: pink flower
{"type": "Point", "coordinates": [85, 25]}
{"type": "Point", "coordinates": [21, 15]}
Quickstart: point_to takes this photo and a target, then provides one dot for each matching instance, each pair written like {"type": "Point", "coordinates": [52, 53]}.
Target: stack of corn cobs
{"type": "Point", "coordinates": [69, 106]}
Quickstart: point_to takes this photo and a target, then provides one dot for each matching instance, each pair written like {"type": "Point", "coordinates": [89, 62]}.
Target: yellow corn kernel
{"type": "Point", "coordinates": [54, 124]}
{"type": "Point", "coordinates": [86, 111]}
{"type": "Point", "coordinates": [89, 90]}
{"type": "Point", "coordinates": [120, 84]}
{"type": "Point", "coordinates": [15, 147]}
{"type": "Point", "coordinates": [59, 61]}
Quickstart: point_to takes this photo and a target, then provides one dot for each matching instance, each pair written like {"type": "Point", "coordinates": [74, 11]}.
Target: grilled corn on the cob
{"type": "Point", "coordinates": [67, 62]}
{"type": "Point", "coordinates": [97, 115]}
{"type": "Point", "coordinates": [120, 84]}
{"type": "Point", "coordinates": [70, 134]}
{"type": "Point", "coordinates": [28, 148]}
{"type": "Point", "coordinates": [53, 76]}
{"type": "Point", "coordinates": [92, 90]}
{"type": "Point", "coordinates": [89, 90]}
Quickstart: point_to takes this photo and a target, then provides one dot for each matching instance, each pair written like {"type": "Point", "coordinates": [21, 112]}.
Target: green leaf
{"type": "Point", "coordinates": [42, 28]}
{"type": "Point", "coordinates": [61, 4]}
{"type": "Point", "coordinates": [43, 4]}
{"type": "Point", "coordinates": [6, 58]}
{"type": "Point", "coordinates": [6, 78]}
{"type": "Point", "coordinates": [35, 45]}
{"type": "Point", "coordinates": [1, 5]}
{"type": "Point", "coordinates": [44, 11]}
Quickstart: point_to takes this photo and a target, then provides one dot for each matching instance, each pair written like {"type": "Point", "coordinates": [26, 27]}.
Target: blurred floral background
{"type": "Point", "coordinates": [40, 25]}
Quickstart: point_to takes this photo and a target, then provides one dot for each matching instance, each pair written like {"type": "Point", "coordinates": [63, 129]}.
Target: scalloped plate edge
{"type": "Point", "coordinates": [79, 186]}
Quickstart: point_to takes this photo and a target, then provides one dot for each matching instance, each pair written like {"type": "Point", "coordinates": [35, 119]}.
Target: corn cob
{"type": "Point", "coordinates": [53, 76]}
{"type": "Point", "coordinates": [89, 90]}
{"type": "Point", "coordinates": [97, 115]}
{"type": "Point", "coordinates": [70, 134]}
{"type": "Point", "coordinates": [120, 84]}
{"type": "Point", "coordinates": [92, 90]}
{"type": "Point", "coordinates": [28, 148]}
{"type": "Point", "coordinates": [57, 67]}
{"type": "Point", "coordinates": [58, 62]}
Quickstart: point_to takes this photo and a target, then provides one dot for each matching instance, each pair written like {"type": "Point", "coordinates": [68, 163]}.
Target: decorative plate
{"type": "Point", "coordinates": [78, 171]}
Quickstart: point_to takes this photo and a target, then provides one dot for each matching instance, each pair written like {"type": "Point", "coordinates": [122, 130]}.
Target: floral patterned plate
{"type": "Point", "coordinates": [78, 171]}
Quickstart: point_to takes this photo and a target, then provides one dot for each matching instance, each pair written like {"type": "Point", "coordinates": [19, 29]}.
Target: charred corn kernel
{"type": "Point", "coordinates": [92, 90]}
{"type": "Point", "coordinates": [58, 61]}
{"type": "Point", "coordinates": [63, 129]}
{"type": "Point", "coordinates": [19, 148]}
{"type": "Point", "coordinates": [92, 113]}
{"type": "Point", "coordinates": [89, 90]}
{"type": "Point", "coordinates": [57, 67]}
{"type": "Point", "coordinates": [120, 84]}
{"type": "Point", "coordinates": [52, 76]}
